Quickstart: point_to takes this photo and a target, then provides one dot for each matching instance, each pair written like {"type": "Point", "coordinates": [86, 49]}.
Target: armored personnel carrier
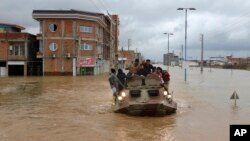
{"type": "Point", "coordinates": [145, 96]}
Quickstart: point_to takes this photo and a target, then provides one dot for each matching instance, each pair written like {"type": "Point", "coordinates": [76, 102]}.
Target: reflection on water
{"type": "Point", "coordinates": [79, 108]}
{"type": "Point", "coordinates": [235, 109]}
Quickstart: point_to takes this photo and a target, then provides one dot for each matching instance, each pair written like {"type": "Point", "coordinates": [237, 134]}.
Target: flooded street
{"type": "Point", "coordinates": [79, 108]}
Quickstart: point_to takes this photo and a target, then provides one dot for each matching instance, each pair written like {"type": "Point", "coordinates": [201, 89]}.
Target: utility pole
{"type": "Point", "coordinates": [202, 52]}
{"type": "Point", "coordinates": [185, 70]}
{"type": "Point", "coordinates": [168, 62]}
{"type": "Point", "coordinates": [129, 43]}
{"type": "Point", "coordinates": [182, 58]}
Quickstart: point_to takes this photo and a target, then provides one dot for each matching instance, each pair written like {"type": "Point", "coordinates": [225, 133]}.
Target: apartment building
{"type": "Point", "coordinates": [74, 42]}
{"type": "Point", "coordinates": [18, 52]}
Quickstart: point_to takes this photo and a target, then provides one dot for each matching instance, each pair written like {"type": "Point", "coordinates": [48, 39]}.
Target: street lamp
{"type": "Point", "coordinates": [167, 33]}
{"type": "Point", "coordinates": [185, 73]}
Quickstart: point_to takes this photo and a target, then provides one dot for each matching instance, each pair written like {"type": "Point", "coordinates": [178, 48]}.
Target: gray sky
{"type": "Point", "coordinates": [224, 23]}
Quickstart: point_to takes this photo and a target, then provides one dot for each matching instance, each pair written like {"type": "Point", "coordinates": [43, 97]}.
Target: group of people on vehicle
{"type": "Point", "coordinates": [146, 68]}
{"type": "Point", "coordinates": [119, 81]}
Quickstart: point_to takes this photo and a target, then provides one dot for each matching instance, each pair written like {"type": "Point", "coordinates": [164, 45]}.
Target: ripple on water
{"type": "Point", "coordinates": [8, 90]}
{"type": "Point", "coordinates": [103, 108]}
{"type": "Point", "coordinates": [182, 106]}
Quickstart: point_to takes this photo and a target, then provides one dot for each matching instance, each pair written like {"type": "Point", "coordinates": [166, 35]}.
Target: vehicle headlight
{"type": "Point", "coordinates": [123, 94]}
{"type": "Point", "coordinates": [120, 98]}
{"type": "Point", "coordinates": [165, 93]}
{"type": "Point", "coordinates": [169, 96]}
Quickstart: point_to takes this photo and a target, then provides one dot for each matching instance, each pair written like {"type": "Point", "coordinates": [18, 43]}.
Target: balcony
{"type": "Point", "coordinates": [16, 57]}
{"type": "Point", "coordinates": [39, 55]}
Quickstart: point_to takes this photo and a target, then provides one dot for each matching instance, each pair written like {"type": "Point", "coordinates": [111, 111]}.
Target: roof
{"type": "Point", "coordinates": [129, 54]}
{"type": "Point", "coordinates": [71, 11]}
{"type": "Point", "coordinates": [12, 25]}
{"type": "Point", "coordinates": [69, 14]}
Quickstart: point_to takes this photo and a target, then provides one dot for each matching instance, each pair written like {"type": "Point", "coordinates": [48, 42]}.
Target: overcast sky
{"type": "Point", "coordinates": [224, 23]}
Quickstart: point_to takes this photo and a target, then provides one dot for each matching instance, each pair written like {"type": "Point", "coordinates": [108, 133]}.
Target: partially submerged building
{"type": "Point", "coordinates": [18, 52]}
{"type": "Point", "coordinates": [170, 59]}
{"type": "Point", "coordinates": [74, 42]}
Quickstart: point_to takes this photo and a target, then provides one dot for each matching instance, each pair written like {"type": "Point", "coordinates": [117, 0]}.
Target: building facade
{"type": "Point", "coordinates": [170, 59]}
{"type": "Point", "coordinates": [18, 52]}
{"type": "Point", "coordinates": [74, 42]}
{"type": "Point", "coordinates": [126, 58]}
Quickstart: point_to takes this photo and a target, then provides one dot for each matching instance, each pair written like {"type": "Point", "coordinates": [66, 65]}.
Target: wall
{"type": "Point", "coordinates": [3, 50]}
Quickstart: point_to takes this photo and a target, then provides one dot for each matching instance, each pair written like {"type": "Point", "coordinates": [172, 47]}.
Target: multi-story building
{"type": "Point", "coordinates": [115, 34]}
{"type": "Point", "coordinates": [76, 42]}
{"type": "Point", "coordinates": [170, 59]}
{"type": "Point", "coordinates": [18, 52]}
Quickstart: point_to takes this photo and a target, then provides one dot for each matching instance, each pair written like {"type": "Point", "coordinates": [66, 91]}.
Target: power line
{"type": "Point", "coordinates": [103, 5]}
{"type": "Point", "coordinates": [96, 6]}
{"type": "Point", "coordinates": [236, 22]}
{"type": "Point", "coordinates": [227, 30]}
{"type": "Point", "coordinates": [108, 6]}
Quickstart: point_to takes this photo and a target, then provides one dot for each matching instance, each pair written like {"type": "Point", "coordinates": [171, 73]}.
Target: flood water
{"type": "Point", "coordinates": [66, 108]}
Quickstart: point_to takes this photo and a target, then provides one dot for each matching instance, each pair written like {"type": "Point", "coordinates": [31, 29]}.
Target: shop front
{"type": "Point", "coordinates": [87, 65]}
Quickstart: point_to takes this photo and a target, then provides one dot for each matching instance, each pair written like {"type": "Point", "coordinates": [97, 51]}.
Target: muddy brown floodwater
{"type": "Point", "coordinates": [66, 108]}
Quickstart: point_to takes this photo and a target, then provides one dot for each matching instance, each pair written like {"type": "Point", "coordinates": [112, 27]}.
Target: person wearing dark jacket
{"type": "Point", "coordinates": [122, 77]}
{"type": "Point", "coordinates": [148, 67]}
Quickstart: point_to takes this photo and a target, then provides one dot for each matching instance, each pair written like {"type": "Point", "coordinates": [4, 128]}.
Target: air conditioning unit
{"type": "Point", "coordinates": [68, 55]}
{"type": "Point", "coordinates": [53, 55]}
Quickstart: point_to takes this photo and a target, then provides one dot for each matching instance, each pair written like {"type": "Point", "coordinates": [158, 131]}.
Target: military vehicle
{"type": "Point", "coordinates": [145, 96]}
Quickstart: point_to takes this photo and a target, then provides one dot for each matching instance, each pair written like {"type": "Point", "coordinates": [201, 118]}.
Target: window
{"type": "Point", "coordinates": [53, 46]}
{"type": "Point", "coordinates": [52, 27]}
{"type": "Point", "coordinates": [16, 50]}
{"type": "Point", "coordinates": [10, 50]}
{"type": "Point", "coordinates": [86, 47]}
{"type": "Point", "coordinates": [86, 29]}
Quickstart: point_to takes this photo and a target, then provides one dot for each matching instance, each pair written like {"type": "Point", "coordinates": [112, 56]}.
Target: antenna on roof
{"type": "Point", "coordinates": [129, 43]}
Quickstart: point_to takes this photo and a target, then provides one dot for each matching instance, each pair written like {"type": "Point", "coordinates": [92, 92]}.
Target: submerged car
{"type": "Point", "coordinates": [145, 96]}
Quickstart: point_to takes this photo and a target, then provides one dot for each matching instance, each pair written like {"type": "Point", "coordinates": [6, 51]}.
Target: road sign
{"type": "Point", "coordinates": [234, 96]}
